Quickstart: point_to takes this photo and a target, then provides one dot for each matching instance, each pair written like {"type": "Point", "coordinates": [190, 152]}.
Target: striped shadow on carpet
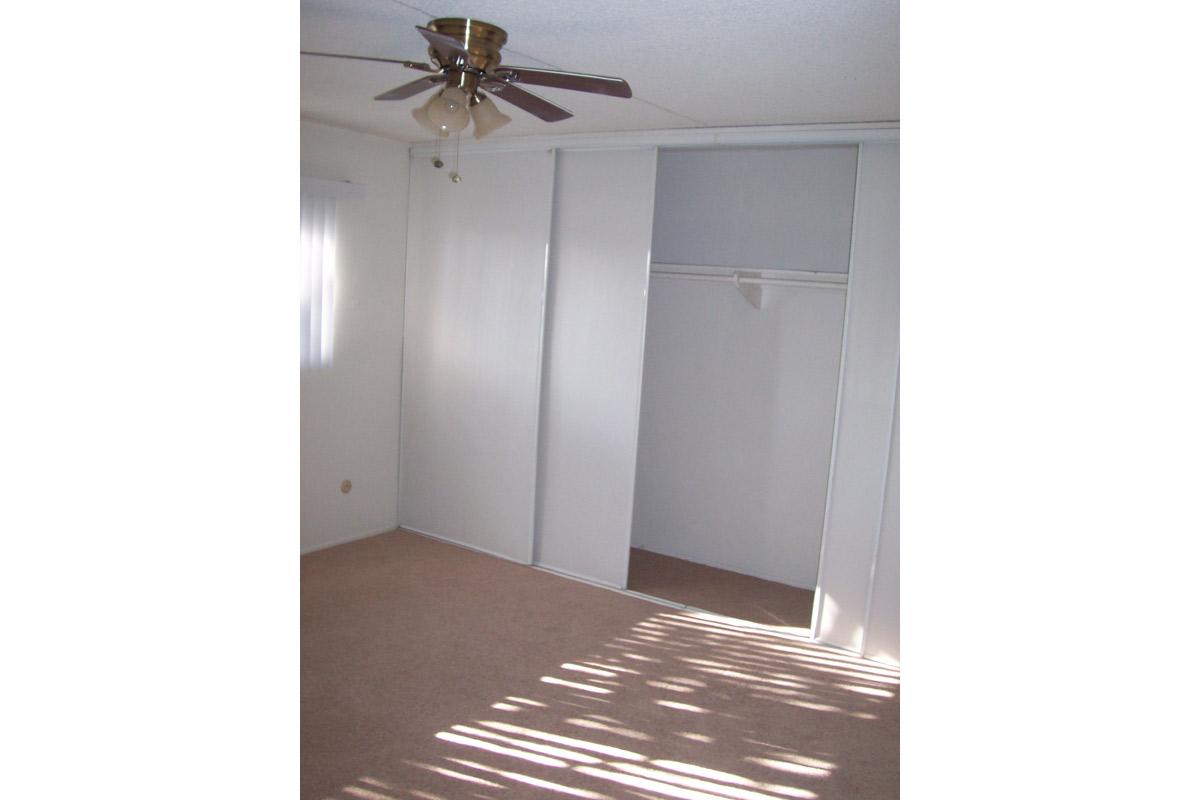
{"type": "Point", "coordinates": [432, 672]}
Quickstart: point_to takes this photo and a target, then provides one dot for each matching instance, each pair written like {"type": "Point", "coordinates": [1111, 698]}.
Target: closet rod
{"type": "Point", "coordinates": [739, 279]}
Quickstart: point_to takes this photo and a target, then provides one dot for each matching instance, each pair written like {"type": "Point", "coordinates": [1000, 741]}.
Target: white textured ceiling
{"type": "Point", "coordinates": [691, 64]}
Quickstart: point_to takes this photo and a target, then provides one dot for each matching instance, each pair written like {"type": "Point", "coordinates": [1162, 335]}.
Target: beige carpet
{"type": "Point", "coordinates": [719, 590]}
{"type": "Point", "coordinates": [432, 672]}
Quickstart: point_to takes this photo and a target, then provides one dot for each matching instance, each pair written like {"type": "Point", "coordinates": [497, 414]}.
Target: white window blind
{"type": "Point", "coordinates": [318, 256]}
{"type": "Point", "coordinates": [318, 266]}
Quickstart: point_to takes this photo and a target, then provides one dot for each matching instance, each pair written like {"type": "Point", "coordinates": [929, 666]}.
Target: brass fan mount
{"type": "Point", "coordinates": [481, 40]}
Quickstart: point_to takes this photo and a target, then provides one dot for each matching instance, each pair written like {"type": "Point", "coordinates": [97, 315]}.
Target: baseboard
{"type": "Point", "coordinates": [657, 600]}
{"type": "Point", "coordinates": [575, 576]}
{"type": "Point", "coordinates": [354, 537]}
{"type": "Point", "coordinates": [463, 545]}
{"type": "Point", "coordinates": [612, 587]}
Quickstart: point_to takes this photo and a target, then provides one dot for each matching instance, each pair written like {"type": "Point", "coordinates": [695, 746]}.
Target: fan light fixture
{"type": "Point", "coordinates": [451, 110]}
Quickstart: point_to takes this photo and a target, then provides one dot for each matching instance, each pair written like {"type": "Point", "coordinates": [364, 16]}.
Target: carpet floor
{"type": "Point", "coordinates": [433, 672]}
{"type": "Point", "coordinates": [719, 590]}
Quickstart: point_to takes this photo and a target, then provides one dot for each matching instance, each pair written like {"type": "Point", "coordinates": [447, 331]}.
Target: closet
{"type": "Point", "coordinates": [750, 253]}
{"type": "Point", "coordinates": [662, 344]}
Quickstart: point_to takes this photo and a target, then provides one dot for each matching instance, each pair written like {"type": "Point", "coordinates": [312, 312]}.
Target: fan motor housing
{"type": "Point", "coordinates": [481, 40]}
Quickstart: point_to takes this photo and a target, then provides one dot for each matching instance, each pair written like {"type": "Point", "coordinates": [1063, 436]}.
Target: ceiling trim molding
{"type": "Point", "coordinates": [761, 135]}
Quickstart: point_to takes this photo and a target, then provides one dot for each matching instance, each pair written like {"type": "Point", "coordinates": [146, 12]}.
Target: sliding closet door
{"type": "Point", "coordinates": [600, 251]}
{"type": "Point", "coordinates": [882, 637]}
{"type": "Point", "coordinates": [864, 429]}
{"type": "Point", "coordinates": [473, 316]}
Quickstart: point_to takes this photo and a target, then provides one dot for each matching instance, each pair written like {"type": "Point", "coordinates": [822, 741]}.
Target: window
{"type": "Point", "coordinates": [318, 262]}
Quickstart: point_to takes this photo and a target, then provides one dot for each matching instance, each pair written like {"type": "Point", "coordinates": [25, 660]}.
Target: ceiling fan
{"type": "Point", "coordinates": [466, 63]}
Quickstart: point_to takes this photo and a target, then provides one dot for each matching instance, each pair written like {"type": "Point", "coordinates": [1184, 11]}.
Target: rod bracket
{"type": "Point", "coordinates": [753, 292]}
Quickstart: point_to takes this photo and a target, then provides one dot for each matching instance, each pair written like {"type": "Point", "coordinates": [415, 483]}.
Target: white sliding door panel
{"type": "Point", "coordinates": [883, 621]}
{"type": "Point", "coordinates": [595, 319]}
{"type": "Point", "coordinates": [864, 427]}
{"type": "Point", "coordinates": [472, 349]}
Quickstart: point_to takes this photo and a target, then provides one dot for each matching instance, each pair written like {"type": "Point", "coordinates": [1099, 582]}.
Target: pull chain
{"type": "Point", "coordinates": [454, 176]}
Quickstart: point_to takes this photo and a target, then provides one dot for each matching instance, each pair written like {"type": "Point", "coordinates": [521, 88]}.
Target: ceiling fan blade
{"type": "Point", "coordinates": [409, 89]}
{"type": "Point", "coordinates": [410, 64]}
{"type": "Point", "coordinates": [577, 81]}
{"type": "Point", "coordinates": [449, 49]}
{"type": "Point", "coordinates": [543, 109]}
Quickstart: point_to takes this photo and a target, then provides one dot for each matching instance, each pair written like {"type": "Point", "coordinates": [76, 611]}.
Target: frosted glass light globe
{"type": "Point", "coordinates": [448, 111]}
{"type": "Point", "coordinates": [421, 115]}
{"type": "Point", "coordinates": [487, 117]}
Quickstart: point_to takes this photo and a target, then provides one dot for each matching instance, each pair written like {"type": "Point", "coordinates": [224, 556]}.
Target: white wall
{"type": "Point", "coordinates": [774, 207]}
{"type": "Point", "coordinates": [868, 390]}
{"type": "Point", "coordinates": [350, 410]}
{"type": "Point", "coordinates": [736, 428]}
{"type": "Point", "coordinates": [473, 349]}
{"type": "Point", "coordinates": [591, 387]}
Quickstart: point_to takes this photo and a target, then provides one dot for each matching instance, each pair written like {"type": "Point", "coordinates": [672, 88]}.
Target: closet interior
{"type": "Point", "coordinates": [750, 253]}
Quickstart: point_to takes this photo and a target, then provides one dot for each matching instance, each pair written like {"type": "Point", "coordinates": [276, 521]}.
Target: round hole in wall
{"type": "Point", "coordinates": [346, 486]}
